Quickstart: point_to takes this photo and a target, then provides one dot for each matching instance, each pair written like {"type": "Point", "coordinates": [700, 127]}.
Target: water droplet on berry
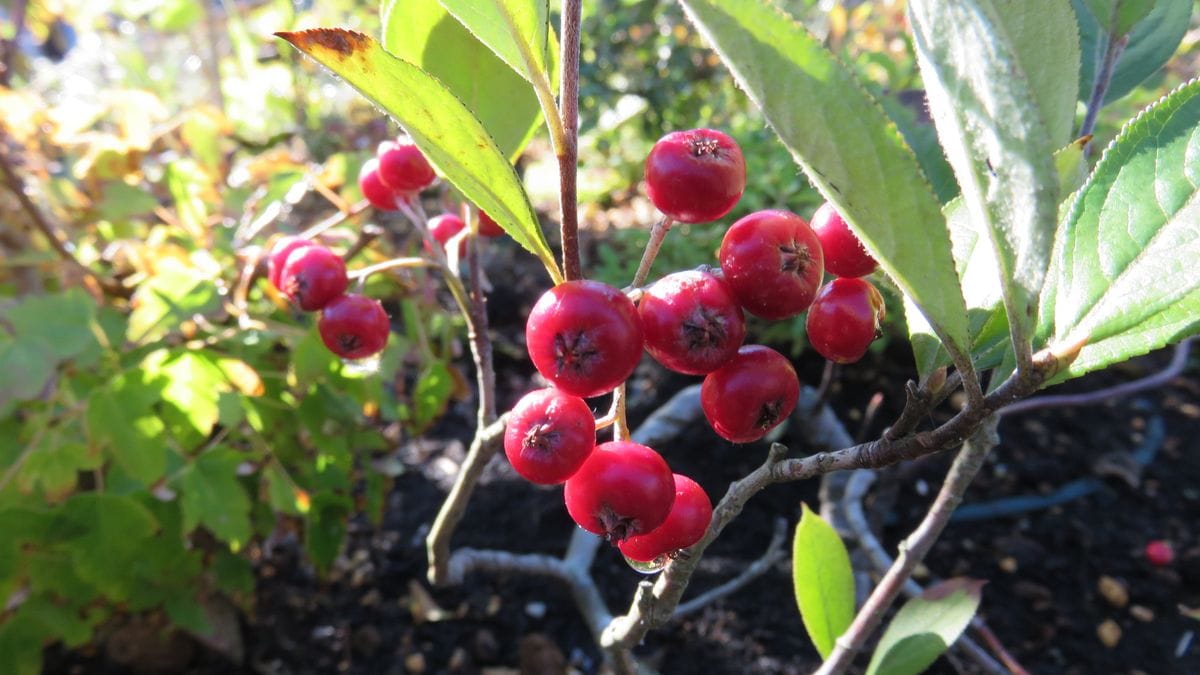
{"type": "Point", "coordinates": [651, 567]}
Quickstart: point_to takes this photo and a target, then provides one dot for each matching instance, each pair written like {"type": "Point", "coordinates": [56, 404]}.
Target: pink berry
{"type": "Point", "coordinates": [750, 395]}
{"type": "Point", "coordinates": [845, 319]}
{"type": "Point", "coordinates": [687, 522]}
{"type": "Point", "coordinates": [772, 261]}
{"type": "Point", "coordinates": [489, 227]}
{"type": "Point", "coordinates": [691, 322]}
{"type": "Point", "coordinates": [584, 337]}
{"type": "Point", "coordinates": [279, 256]}
{"type": "Point", "coordinates": [444, 227]}
{"type": "Point", "coordinates": [1160, 553]}
{"type": "Point", "coordinates": [313, 276]}
{"type": "Point", "coordinates": [354, 326]}
{"type": "Point", "coordinates": [695, 176]}
{"type": "Point", "coordinates": [403, 168]}
{"type": "Point", "coordinates": [844, 253]}
{"type": "Point", "coordinates": [622, 490]}
{"type": "Point", "coordinates": [549, 435]}
{"type": "Point", "coordinates": [373, 189]}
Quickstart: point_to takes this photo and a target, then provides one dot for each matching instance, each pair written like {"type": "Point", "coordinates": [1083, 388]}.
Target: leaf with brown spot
{"type": "Point", "coordinates": [449, 134]}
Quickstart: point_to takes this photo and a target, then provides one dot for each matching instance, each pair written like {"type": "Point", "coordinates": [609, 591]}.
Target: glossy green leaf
{"type": "Point", "coordinates": [451, 137]}
{"type": "Point", "coordinates": [980, 101]}
{"type": "Point", "coordinates": [1045, 41]}
{"type": "Point", "coordinates": [1128, 281]}
{"type": "Point", "coordinates": [846, 145]}
{"type": "Point", "coordinates": [516, 30]}
{"type": "Point", "coordinates": [1152, 42]}
{"type": "Point", "coordinates": [423, 33]}
{"type": "Point", "coordinates": [823, 581]}
{"type": "Point", "coordinates": [213, 497]}
{"type": "Point", "coordinates": [192, 384]}
{"type": "Point", "coordinates": [925, 627]}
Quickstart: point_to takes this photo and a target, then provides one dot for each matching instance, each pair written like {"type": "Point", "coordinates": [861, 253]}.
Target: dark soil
{"type": "Point", "coordinates": [376, 614]}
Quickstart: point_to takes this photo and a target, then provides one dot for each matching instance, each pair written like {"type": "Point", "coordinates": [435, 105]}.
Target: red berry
{"type": "Point", "coordinates": [1160, 553]}
{"type": "Point", "coordinates": [691, 322]}
{"type": "Point", "coordinates": [489, 227]}
{"type": "Point", "coordinates": [844, 253]}
{"type": "Point", "coordinates": [403, 168]}
{"type": "Point", "coordinates": [695, 176]}
{"type": "Point", "coordinates": [444, 227]}
{"type": "Point", "coordinates": [549, 435]}
{"type": "Point", "coordinates": [373, 189]}
{"type": "Point", "coordinates": [623, 489]}
{"type": "Point", "coordinates": [354, 326]}
{"type": "Point", "coordinates": [750, 395]}
{"type": "Point", "coordinates": [772, 261]}
{"type": "Point", "coordinates": [845, 319]}
{"type": "Point", "coordinates": [279, 256]}
{"type": "Point", "coordinates": [313, 276]}
{"type": "Point", "coordinates": [585, 337]}
{"type": "Point", "coordinates": [685, 525]}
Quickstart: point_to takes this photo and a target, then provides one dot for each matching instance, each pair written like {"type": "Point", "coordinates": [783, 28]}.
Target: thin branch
{"type": "Point", "coordinates": [53, 233]}
{"type": "Point", "coordinates": [913, 550]}
{"type": "Point", "coordinates": [335, 220]}
{"type": "Point", "coordinates": [1104, 74]}
{"type": "Point", "coordinates": [775, 552]}
{"type": "Point", "coordinates": [657, 234]}
{"type": "Point", "coordinates": [568, 152]}
{"type": "Point", "coordinates": [394, 263]}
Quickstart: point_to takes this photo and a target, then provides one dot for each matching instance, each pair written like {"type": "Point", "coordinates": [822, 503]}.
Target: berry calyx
{"type": "Point", "coordinates": [750, 395]}
{"type": "Point", "coordinates": [354, 326]}
{"type": "Point", "coordinates": [442, 228]}
{"type": "Point", "coordinates": [373, 188]}
{"type": "Point", "coordinates": [622, 490]}
{"type": "Point", "coordinates": [773, 262]}
{"type": "Point", "coordinates": [845, 319]}
{"type": "Point", "coordinates": [313, 276]}
{"type": "Point", "coordinates": [489, 227]}
{"type": "Point", "coordinates": [549, 436]}
{"type": "Point", "coordinates": [403, 168]}
{"type": "Point", "coordinates": [584, 337]}
{"type": "Point", "coordinates": [695, 176]}
{"type": "Point", "coordinates": [279, 255]}
{"type": "Point", "coordinates": [1160, 553]}
{"type": "Point", "coordinates": [690, 516]}
{"type": "Point", "coordinates": [844, 253]}
{"type": "Point", "coordinates": [691, 322]}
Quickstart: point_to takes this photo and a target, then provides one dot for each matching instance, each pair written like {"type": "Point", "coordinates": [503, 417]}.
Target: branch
{"type": "Point", "coordinates": [774, 553]}
{"type": "Point", "coordinates": [913, 549]}
{"type": "Point", "coordinates": [657, 235]}
{"type": "Point", "coordinates": [568, 152]}
{"type": "Point", "coordinates": [1104, 73]}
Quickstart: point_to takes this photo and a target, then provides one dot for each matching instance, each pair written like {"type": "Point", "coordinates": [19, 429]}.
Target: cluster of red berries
{"type": "Point", "coordinates": [586, 338]}
{"type": "Point", "coordinates": [352, 326]}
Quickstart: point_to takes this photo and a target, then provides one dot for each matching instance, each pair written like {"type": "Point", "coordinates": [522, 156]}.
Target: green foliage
{"type": "Point", "coordinates": [841, 137]}
{"type": "Point", "coordinates": [823, 581]}
{"type": "Point", "coordinates": [1152, 41]}
{"type": "Point", "coordinates": [449, 134]}
{"type": "Point", "coordinates": [925, 627]}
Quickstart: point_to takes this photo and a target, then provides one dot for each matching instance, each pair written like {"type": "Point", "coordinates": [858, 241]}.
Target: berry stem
{"type": "Point", "coordinates": [330, 222]}
{"type": "Point", "coordinates": [657, 235]}
{"type": "Point", "coordinates": [568, 150]}
{"type": "Point", "coordinates": [361, 275]}
{"type": "Point", "coordinates": [619, 423]}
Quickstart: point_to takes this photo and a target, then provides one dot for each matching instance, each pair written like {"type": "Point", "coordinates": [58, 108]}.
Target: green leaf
{"type": "Point", "coordinates": [110, 531]}
{"type": "Point", "coordinates": [1128, 281]}
{"type": "Point", "coordinates": [27, 366]}
{"type": "Point", "coordinates": [62, 322]}
{"type": "Point", "coordinates": [193, 384]}
{"type": "Point", "coordinates": [122, 201]}
{"type": "Point", "coordinates": [1045, 41]}
{"type": "Point", "coordinates": [213, 497]}
{"type": "Point", "coordinates": [981, 103]}
{"type": "Point", "coordinates": [54, 466]}
{"type": "Point", "coordinates": [1071, 164]}
{"type": "Point", "coordinates": [170, 297]}
{"type": "Point", "coordinates": [823, 581]}
{"type": "Point", "coordinates": [516, 30]}
{"type": "Point", "coordinates": [120, 419]}
{"type": "Point", "coordinates": [424, 32]}
{"type": "Point", "coordinates": [451, 137]}
{"type": "Point", "coordinates": [1152, 42]}
{"type": "Point", "coordinates": [325, 530]}
{"type": "Point", "coordinates": [186, 182]}
{"type": "Point", "coordinates": [1118, 16]}
{"type": "Point", "coordinates": [925, 627]}
{"type": "Point", "coordinates": [908, 113]}
{"type": "Point", "coordinates": [844, 142]}
{"type": "Point", "coordinates": [431, 394]}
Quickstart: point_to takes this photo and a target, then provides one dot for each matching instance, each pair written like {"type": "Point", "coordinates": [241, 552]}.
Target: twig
{"type": "Point", "coordinates": [1173, 370]}
{"type": "Point", "coordinates": [913, 550]}
{"type": "Point", "coordinates": [657, 234]}
{"type": "Point", "coordinates": [568, 154]}
{"type": "Point", "coordinates": [828, 375]}
{"type": "Point", "coordinates": [52, 233]}
{"type": "Point", "coordinates": [774, 553]}
{"type": "Point", "coordinates": [408, 263]}
{"type": "Point", "coordinates": [334, 220]}
{"type": "Point", "coordinates": [8, 48]}
{"type": "Point", "coordinates": [1104, 74]}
